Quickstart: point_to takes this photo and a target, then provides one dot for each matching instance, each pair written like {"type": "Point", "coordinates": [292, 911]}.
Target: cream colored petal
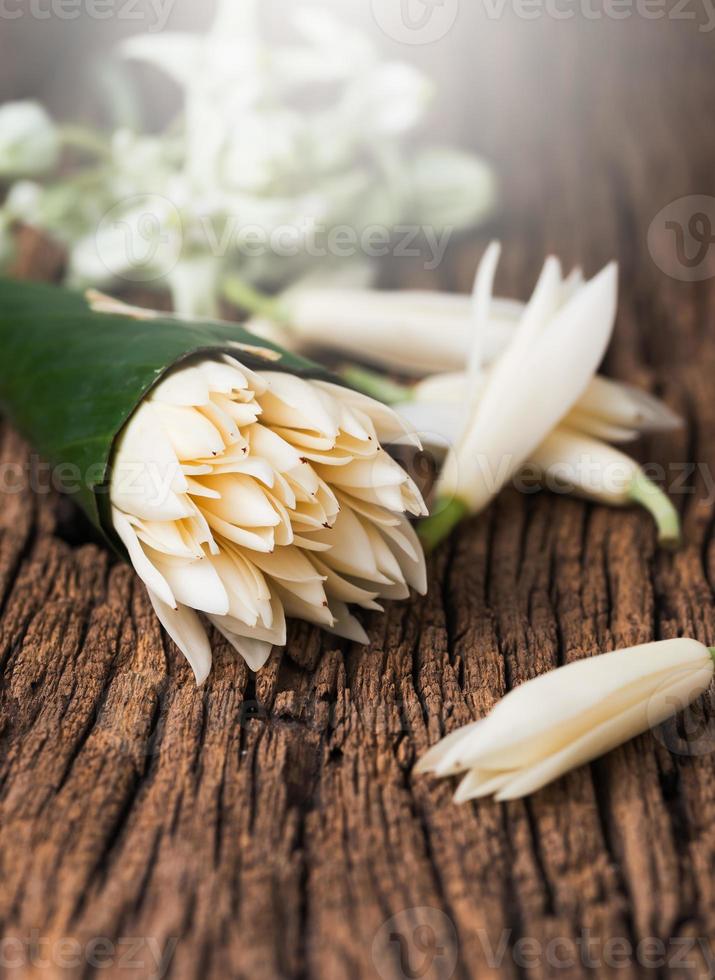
{"type": "Point", "coordinates": [254, 652]}
{"type": "Point", "coordinates": [194, 583]}
{"type": "Point", "coordinates": [268, 446]}
{"type": "Point", "coordinates": [293, 403]}
{"type": "Point", "coordinates": [283, 531]}
{"type": "Point", "coordinates": [275, 635]}
{"type": "Point", "coordinates": [167, 537]}
{"type": "Point", "coordinates": [223, 422]}
{"type": "Point", "coordinates": [187, 386]}
{"type": "Point", "coordinates": [242, 413]}
{"type": "Point", "coordinates": [304, 541]}
{"type": "Point", "coordinates": [388, 425]}
{"type": "Point", "coordinates": [222, 377]}
{"type": "Point", "coordinates": [191, 435]}
{"type": "Point", "coordinates": [439, 425]}
{"type": "Point", "coordinates": [477, 784]}
{"type": "Point", "coordinates": [481, 306]}
{"type": "Point", "coordinates": [197, 489]}
{"type": "Point", "coordinates": [143, 566]}
{"type": "Point", "coordinates": [406, 548]}
{"type": "Point", "coordinates": [592, 425]}
{"type": "Point", "coordinates": [437, 758]}
{"type": "Point", "coordinates": [256, 539]}
{"type": "Point", "coordinates": [350, 547]}
{"type": "Point", "coordinates": [197, 528]}
{"type": "Point", "coordinates": [185, 629]}
{"type": "Point", "coordinates": [254, 379]}
{"type": "Point", "coordinates": [146, 476]}
{"type": "Point", "coordinates": [346, 625]}
{"type": "Point", "coordinates": [239, 586]}
{"type": "Point", "coordinates": [288, 565]}
{"type": "Point", "coordinates": [341, 588]}
{"type": "Point", "coordinates": [371, 512]}
{"type": "Point", "coordinates": [627, 406]}
{"type": "Point", "coordinates": [380, 471]}
{"type": "Point", "coordinates": [296, 607]}
{"type": "Point", "coordinates": [387, 563]}
{"type": "Point", "coordinates": [243, 501]}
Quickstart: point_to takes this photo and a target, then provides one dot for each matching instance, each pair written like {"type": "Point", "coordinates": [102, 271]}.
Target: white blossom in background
{"type": "Point", "coordinates": [569, 716]}
{"type": "Point", "coordinates": [252, 148]}
{"type": "Point", "coordinates": [252, 496]}
{"type": "Point", "coordinates": [29, 142]}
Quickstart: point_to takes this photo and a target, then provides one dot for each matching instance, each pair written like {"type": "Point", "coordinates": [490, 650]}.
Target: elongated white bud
{"type": "Point", "coordinates": [575, 463]}
{"type": "Point", "coordinates": [567, 717]}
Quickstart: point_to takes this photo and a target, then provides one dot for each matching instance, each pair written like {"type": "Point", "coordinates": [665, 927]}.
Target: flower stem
{"type": "Point", "coordinates": [711, 651]}
{"type": "Point", "coordinates": [243, 295]}
{"type": "Point", "coordinates": [376, 385]}
{"type": "Point", "coordinates": [439, 525]}
{"type": "Point", "coordinates": [644, 492]}
{"type": "Point", "coordinates": [82, 138]}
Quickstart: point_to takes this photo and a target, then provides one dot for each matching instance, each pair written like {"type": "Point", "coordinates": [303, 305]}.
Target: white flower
{"type": "Point", "coordinates": [533, 387]}
{"type": "Point", "coordinates": [567, 717]}
{"type": "Point", "coordinates": [571, 458]}
{"type": "Point", "coordinates": [250, 497]}
{"type": "Point", "coordinates": [29, 143]}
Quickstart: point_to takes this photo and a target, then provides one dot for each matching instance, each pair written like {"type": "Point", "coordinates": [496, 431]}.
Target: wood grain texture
{"type": "Point", "coordinates": [269, 826]}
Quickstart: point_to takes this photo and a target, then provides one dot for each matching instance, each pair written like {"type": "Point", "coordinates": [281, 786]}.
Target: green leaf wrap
{"type": "Point", "coordinates": [70, 377]}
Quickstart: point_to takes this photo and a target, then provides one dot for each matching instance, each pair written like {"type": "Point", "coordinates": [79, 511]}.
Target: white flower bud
{"type": "Point", "coordinates": [567, 717]}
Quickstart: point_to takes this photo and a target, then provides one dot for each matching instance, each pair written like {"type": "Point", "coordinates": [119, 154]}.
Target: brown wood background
{"type": "Point", "coordinates": [269, 827]}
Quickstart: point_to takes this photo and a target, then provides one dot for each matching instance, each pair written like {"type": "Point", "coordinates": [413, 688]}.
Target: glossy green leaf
{"type": "Point", "coordinates": [71, 377]}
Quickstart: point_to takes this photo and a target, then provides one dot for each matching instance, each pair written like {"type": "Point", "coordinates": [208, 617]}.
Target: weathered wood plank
{"type": "Point", "coordinates": [269, 827]}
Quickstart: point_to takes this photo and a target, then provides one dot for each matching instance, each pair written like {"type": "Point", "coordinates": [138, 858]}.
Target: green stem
{"type": "Point", "coordinates": [644, 492]}
{"type": "Point", "coordinates": [82, 138]}
{"type": "Point", "coordinates": [376, 385]}
{"type": "Point", "coordinates": [711, 651]}
{"type": "Point", "coordinates": [439, 525]}
{"type": "Point", "coordinates": [243, 295]}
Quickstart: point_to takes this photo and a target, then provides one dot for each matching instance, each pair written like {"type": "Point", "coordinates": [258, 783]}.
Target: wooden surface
{"type": "Point", "coordinates": [270, 826]}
